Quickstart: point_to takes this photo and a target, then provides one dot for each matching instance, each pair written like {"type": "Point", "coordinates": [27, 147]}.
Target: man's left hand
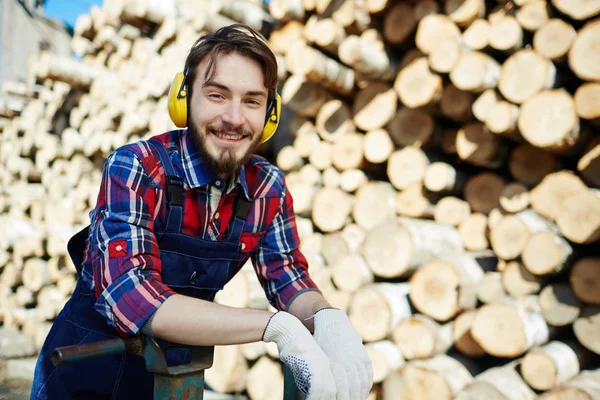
{"type": "Point", "coordinates": [350, 363]}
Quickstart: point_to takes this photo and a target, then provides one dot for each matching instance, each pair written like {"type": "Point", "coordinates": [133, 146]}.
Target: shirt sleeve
{"type": "Point", "coordinates": [126, 263]}
{"type": "Point", "coordinates": [281, 267]}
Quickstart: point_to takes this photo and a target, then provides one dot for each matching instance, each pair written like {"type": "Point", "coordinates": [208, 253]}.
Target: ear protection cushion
{"type": "Point", "coordinates": [272, 121]}
{"type": "Point", "coordinates": [178, 107]}
{"type": "Point", "coordinates": [178, 101]}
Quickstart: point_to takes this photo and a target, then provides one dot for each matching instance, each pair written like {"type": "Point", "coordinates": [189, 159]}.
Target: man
{"type": "Point", "coordinates": [177, 216]}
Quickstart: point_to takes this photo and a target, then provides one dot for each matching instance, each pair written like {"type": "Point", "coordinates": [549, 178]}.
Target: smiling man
{"type": "Point", "coordinates": [177, 216]}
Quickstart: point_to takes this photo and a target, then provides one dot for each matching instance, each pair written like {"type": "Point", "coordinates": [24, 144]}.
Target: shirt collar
{"type": "Point", "coordinates": [198, 173]}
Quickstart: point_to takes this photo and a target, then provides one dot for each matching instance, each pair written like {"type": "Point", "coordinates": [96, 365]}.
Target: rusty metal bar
{"type": "Point", "coordinates": [76, 353]}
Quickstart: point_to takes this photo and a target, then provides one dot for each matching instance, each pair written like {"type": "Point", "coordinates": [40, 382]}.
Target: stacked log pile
{"type": "Point", "coordinates": [444, 165]}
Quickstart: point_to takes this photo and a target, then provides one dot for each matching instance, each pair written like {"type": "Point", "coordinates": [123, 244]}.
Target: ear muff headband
{"type": "Point", "coordinates": [178, 107]}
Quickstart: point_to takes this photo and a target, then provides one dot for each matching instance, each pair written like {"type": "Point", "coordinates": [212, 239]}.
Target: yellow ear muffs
{"type": "Point", "coordinates": [272, 120]}
{"type": "Point", "coordinates": [178, 101]}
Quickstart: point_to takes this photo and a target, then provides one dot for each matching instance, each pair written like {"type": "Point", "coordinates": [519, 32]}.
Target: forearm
{"type": "Point", "coordinates": [186, 320]}
{"type": "Point", "coordinates": [305, 305]}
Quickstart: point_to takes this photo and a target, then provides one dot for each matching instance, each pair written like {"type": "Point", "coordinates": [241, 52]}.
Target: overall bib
{"type": "Point", "coordinates": [191, 266]}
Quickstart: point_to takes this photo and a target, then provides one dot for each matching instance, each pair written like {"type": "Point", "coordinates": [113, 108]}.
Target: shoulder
{"type": "Point", "coordinates": [141, 154]}
{"type": "Point", "coordinates": [264, 178]}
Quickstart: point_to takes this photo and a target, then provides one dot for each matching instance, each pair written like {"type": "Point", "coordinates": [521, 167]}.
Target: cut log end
{"type": "Point", "coordinates": [579, 217]}
{"type": "Point", "coordinates": [583, 59]}
{"type": "Point", "coordinates": [529, 164]}
{"type": "Point", "coordinates": [559, 305]}
{"type": "Point", "coordinates": [433, 290]}
{"type": "Point", "coordinates": [554, 39]}
{"type": "Point", "coordinates": [587, 101]}
{"type": "Point", "coordinates": [417, 86]}
{"type": "Point", "coordinates": [585, 280]}
{"type": "Point", "coordinates": [541, 126]}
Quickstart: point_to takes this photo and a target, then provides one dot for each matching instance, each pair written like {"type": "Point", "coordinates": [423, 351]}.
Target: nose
{"type": "Point", "coordinates": [233, 115]}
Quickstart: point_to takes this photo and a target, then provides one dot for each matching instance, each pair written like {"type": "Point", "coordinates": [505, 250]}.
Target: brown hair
{"type": "Point", "coordinates": [236, 38]}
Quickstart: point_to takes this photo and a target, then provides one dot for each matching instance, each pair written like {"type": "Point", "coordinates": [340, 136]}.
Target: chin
{"type": "Point", "coordinates": [223, 160]}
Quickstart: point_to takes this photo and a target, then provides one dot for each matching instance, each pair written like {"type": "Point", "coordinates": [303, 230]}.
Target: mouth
{"type": "Point", "coordinates": [228, 137]}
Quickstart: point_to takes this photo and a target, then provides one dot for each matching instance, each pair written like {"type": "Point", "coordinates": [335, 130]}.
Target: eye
{"type": "Point", "coordinates": [253, 102]}
{"type": "Point", "coordinates": [215, 96]}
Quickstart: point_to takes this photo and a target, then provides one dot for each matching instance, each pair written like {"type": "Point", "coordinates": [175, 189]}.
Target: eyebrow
{"type": "Point", "coordinates": [261, 93]}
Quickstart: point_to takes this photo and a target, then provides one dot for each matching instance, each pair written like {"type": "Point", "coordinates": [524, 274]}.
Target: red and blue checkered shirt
{"type": "Point", "coordinates": [122, 261]}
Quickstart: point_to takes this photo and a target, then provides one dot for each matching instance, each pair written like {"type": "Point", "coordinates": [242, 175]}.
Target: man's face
{"type": "Point", "coordinates": [227, 112]}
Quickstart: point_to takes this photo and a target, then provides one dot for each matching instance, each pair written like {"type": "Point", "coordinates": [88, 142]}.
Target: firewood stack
{"type": "Point", "coordinates": [444, 165]}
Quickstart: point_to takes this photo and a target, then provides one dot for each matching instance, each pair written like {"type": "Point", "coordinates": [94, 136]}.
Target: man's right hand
{"type": "Point", "coordinates": [300, 352]}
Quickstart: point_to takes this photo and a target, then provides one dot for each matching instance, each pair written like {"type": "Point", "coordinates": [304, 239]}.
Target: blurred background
{"type": "Point", "coordinates": [443, 157]}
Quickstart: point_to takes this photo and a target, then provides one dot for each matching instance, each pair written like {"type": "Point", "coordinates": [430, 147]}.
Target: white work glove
{"type": "Point", "coordinates": [352, 369]}
{"type": "Point", "coordinates": [299, 351]}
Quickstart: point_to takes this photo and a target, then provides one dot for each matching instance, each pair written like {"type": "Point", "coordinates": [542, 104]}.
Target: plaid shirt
{"type": "Point", "coordinates": [122, 261]}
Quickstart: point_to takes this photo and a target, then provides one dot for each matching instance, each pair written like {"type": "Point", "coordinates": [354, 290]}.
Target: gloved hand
{"type": "Point", "coordinates": [299, 351]}
{"type": "Point", "coordinates": [352, 369]}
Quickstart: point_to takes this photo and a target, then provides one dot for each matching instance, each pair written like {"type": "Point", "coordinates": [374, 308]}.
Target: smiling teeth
{"type": "Point", "coordinates": [229, 137]}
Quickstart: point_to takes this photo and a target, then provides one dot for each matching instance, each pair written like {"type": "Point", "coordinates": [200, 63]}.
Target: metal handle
{"type": "Point", "coordinates": [76, 353]}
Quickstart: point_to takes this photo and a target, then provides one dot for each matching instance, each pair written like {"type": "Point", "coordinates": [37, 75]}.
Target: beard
{"type": "Point", "coordinates": [226, 162]}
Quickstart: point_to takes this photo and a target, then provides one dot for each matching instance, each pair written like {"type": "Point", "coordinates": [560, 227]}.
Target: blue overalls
{"type": "Point", "coordinates": [191, 266]}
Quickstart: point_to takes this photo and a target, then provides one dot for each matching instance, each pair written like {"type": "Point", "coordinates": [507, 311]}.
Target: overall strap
{"type": "Point", "coordinates": [241, 208]}
{"type": "Point", "coordinates": [174, 189]}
